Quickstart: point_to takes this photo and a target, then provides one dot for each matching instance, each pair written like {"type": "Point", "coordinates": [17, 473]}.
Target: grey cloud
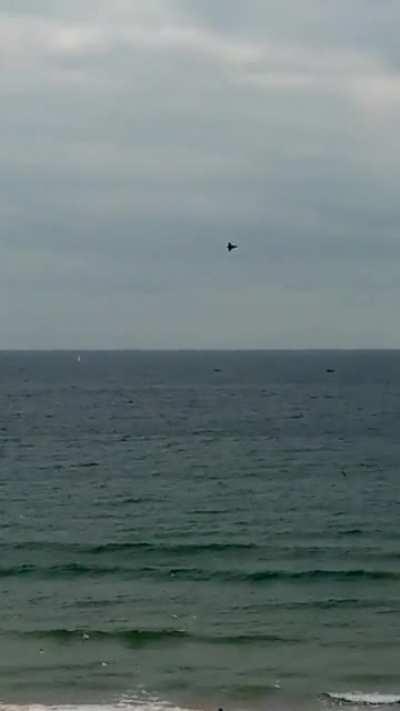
{"type": "Point", "coordinates": [138, 139]}
{"type": "Point", "coordinates": [362, 23]}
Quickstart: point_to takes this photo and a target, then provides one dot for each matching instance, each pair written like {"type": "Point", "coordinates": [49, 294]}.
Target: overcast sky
{"type": "Point", "coordinates": [139, 136]}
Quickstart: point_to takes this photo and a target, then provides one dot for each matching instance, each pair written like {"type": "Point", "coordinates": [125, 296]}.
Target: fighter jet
{"type": "Point", "coordinates": [231, 246]}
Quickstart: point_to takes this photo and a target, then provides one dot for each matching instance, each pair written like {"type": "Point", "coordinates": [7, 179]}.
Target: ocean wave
{"type": "Point", "coordinates": [127, 547]}
{"type": "Point", "coordinates": [139, 704]}
{"type": "Point", "coordinates": [139, 637]}
{"type": "Point", "coordinates": [177, 548]}
{"type": "Point", "coordinates": [53, 571]}
{"type": "Point", "coordinates": [358, 697]}
{"type": "Point", "coordinates": [77, 569]}
{"type": "Point", "coordinates": [321, 574]}
{"type": "Point", "coordinates": [253, 692]}
{"type": "Point", "coordinates": [385, 606]}
{"type": "Point", "coordinates": [265, 576]}
{"type": "Point", "coordinates": [134, 637]}
{"type": "Point", "coordinates": [129, 551]}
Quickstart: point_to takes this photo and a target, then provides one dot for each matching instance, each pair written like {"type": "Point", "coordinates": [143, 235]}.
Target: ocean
{"type": "Point", "coordinates": [196, 530]}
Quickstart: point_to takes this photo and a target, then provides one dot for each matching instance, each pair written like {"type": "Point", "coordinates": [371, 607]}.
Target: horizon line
{"type": "Point", "coordinates": [188, 349]}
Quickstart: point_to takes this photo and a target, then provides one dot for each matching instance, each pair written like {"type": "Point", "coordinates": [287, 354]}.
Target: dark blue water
{"type": "Point", "coordinates": [199, 528]}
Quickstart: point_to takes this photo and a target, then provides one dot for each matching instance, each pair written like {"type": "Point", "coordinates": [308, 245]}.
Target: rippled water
{"type": "Point", "coordinates": [199, 529]}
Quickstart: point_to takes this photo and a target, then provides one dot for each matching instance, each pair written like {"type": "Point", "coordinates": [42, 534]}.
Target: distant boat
{"type": "Point", "coordinates": [78, 360]}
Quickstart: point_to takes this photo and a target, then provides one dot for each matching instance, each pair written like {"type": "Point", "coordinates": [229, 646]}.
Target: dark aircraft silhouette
{"type": "Point", "coordinates": [231, 246]}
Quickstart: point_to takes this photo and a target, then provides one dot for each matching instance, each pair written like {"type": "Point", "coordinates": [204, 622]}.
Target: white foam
{"type": "Point", "coordinates": [142, 703]}
{"type": "Point", "coordinates": [358, 697]}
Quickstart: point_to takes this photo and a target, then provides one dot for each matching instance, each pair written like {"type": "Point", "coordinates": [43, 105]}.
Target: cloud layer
{"type": "Point", "coordinates": [137, 138]}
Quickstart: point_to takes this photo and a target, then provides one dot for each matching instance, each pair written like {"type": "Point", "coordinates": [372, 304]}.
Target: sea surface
{"type": "Point", "coordinates": [199, 529]}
